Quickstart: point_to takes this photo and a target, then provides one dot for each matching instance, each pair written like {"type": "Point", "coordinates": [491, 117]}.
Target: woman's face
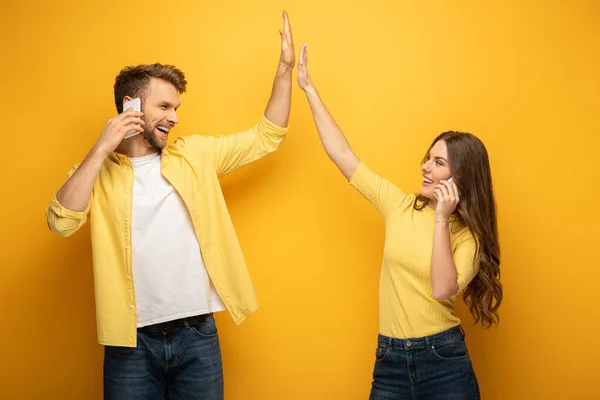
{"type": "Point", "coordinates": [435, 169]}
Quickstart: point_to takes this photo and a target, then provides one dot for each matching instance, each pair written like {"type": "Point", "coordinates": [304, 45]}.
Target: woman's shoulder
{"type": "Point", "coordinates": [461, 234]}
{"type": "Point", "coordinates": [407, 204]}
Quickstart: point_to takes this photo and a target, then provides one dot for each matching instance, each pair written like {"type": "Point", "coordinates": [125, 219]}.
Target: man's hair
{"type": "Point", "coordinates": [132, 81]}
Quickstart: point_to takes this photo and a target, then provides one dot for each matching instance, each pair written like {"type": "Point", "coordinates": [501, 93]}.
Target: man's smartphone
{"type": "Point", "coordinates": [137, 106]}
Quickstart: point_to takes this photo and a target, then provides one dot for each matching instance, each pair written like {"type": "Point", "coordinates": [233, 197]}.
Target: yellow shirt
{"type": "Point", "coordinates": [192, 165]}
{"type": "Point", "coordinates": [407, 307]}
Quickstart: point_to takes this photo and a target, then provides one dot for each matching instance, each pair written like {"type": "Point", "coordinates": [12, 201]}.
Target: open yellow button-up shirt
{"type": "Point", "coordinates": [193, 165]}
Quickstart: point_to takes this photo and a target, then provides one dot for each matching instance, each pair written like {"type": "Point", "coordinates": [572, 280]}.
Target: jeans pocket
{"type": "Point", "coordinates": [450, 350]}
{"type": "Point", "coordinates": [206, 329]}
{"type": "Point", "coordinates": [381, 353]}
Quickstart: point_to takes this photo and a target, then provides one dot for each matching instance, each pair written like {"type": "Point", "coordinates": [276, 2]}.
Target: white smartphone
{"type": "Point", "coordinates": [452, 182]}
{"type": "Point", "coordinates": [137, 106]}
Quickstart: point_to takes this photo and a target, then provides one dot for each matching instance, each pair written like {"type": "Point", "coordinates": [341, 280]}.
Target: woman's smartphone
{"type": "Point", "coordinates": [452, 182]}
{"type": "Point", "coordinates": [137, 106]}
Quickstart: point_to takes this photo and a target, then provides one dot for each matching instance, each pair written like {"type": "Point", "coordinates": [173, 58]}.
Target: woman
{"type": "Point", "coordinates": [438, 242]}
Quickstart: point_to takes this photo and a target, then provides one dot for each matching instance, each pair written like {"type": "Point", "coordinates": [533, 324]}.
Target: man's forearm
{"type": "Point", "coordinates": [278, 107]}
{"type": "Point", "coordinates": [76, 192]}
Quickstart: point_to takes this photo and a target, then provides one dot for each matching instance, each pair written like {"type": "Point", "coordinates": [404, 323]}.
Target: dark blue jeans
{"type": "Point", "coordinates": [171, 363]}
{"type": "Point", "coordinates": [435, 367]}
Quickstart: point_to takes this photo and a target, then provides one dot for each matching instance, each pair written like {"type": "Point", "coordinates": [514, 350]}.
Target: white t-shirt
{"type": "Point", "coordinates": [169, 275]}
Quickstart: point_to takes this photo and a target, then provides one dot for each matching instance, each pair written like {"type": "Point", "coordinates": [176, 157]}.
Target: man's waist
{"type": "Point", "coordinates": [173, 325]}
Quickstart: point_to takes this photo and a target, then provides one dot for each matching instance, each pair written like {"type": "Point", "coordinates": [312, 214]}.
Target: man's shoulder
{"type": "Point", "coordinates": [194, 142]}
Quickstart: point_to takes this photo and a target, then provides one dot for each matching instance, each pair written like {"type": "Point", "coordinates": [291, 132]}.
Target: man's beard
{"type": "Point", "coordinates": [151, 138]}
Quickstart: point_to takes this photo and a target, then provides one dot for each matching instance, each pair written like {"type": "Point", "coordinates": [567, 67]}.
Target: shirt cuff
{"type": "Point", "coordinates": [270, 128]}
{"type": "Point", "coordinates": [361, 175]}
{"type": "Point", "coordinates": [61, 211]}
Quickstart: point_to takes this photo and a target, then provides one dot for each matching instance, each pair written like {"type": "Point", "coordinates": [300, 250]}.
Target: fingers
{"type": "Point", "coordinates": [130, 120]}
{"type": "Point", "coordinates": [132, 125]}
{"type": "Point", "coordinates": [449, 190]}
{"type": "Point", "coordinates": [303, 57]}
{"type": "Point", "coordinates": [452, 191]}
{"type": "Point", "coordinates": [133, 118]}
{"type": "Point", "coordinates": [286, 43]}
{"type": "Point", "coordinates": [287, 27]}
{"type": "Point", "coordinates": [287, 40]}
{"type": "Point", "coordinates": [447, 197]}
{"type": "Point", "coordinates": [304, 79]}
{"type": "Point", "coordinates": [284, 39]}
{"type": "Point", "coordinates": [305, 53]}
{"type": "Point", "coordinates": [138, 121]}
{"type": "Point", "coordinates": [303, 61]}
{"type": "Point", "coordinates": [130, 112]}
{"type": "Point", "coordinates": [443, 192]}
{"type": "Point", "coordinates": [444, 188]}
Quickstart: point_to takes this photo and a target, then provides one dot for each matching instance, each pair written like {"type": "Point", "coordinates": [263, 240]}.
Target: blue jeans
{"type": "Point", "coordinates": [435, 367]}
{"type": "Point", "coordinates": [174, 363]}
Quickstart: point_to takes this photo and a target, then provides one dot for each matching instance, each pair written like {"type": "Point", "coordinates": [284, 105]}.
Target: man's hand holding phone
{"type": "Point", "coordinates": [125, 125]}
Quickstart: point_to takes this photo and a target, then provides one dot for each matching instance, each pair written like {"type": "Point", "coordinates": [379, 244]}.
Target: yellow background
{"type": "Point", "coordinates": [523, 76]}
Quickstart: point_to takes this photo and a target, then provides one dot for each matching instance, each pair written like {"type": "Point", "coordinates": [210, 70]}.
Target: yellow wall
{"type": "Point", "coordinates": [521, 75]}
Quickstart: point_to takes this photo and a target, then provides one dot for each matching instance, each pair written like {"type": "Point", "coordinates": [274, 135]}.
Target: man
{"type": "Point", "coordinates": [164, 249]}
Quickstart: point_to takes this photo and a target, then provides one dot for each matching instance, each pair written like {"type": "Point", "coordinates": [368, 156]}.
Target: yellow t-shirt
{"type": "Point", "coordinates": [407, 307]}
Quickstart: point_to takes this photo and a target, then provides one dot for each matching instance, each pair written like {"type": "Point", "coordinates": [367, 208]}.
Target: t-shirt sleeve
{"type": "Point", "coordinates": [383, 194]}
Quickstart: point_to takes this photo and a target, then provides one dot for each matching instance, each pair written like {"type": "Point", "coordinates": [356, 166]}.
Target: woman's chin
{"type": "Point", "coordinates": [426, 193]}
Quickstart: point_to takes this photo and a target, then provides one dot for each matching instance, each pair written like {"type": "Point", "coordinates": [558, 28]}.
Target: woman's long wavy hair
{"type": "Point", "coordinates": [470, 166]}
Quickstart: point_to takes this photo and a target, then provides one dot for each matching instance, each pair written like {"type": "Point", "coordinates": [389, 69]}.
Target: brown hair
{"type": "Point", "coordinates": [471, 172]}
{"type": "Point", "coordinates": [133, 80]}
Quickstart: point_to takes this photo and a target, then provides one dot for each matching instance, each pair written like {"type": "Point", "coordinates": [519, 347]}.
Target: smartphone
{"type": "Point", "coordinates": [452, 182]}
{"type": "Point", "coordinates": [137, 106]}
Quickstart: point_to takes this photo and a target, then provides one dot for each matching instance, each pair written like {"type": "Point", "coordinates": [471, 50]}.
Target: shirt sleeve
{"type": "Point", "coordinates": [231, 152]}
{"type": "Point", "coordinates": [61, 220]}
{"type": "Point", "coordinates": [464, 261]}
{"type": "Point", "coordinates": [384, 195]}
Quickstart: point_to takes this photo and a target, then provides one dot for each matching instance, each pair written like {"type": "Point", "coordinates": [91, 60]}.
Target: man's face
{"type": "Point", "coordinates": [159, 105]}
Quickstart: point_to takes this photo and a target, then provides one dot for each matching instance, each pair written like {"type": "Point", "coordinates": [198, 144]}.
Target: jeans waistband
{"type": "Point", "coordinates": [171, 326]}
{"type": "Point", "coordinates": [424, 342]}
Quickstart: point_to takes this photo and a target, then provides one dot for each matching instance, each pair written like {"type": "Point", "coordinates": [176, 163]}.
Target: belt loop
{"type": "Point", "coordinates": [462, 331]}
{"type": "Point", "coordinates": [186, 323]}
{"type": "Point", "coordinates": [427, 342]}
{"type": "Point", "coordinates": [391, 343]}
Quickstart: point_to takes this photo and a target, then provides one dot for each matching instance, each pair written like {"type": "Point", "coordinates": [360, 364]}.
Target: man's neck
{"type": "Point", "coordinates": [136, 146]}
